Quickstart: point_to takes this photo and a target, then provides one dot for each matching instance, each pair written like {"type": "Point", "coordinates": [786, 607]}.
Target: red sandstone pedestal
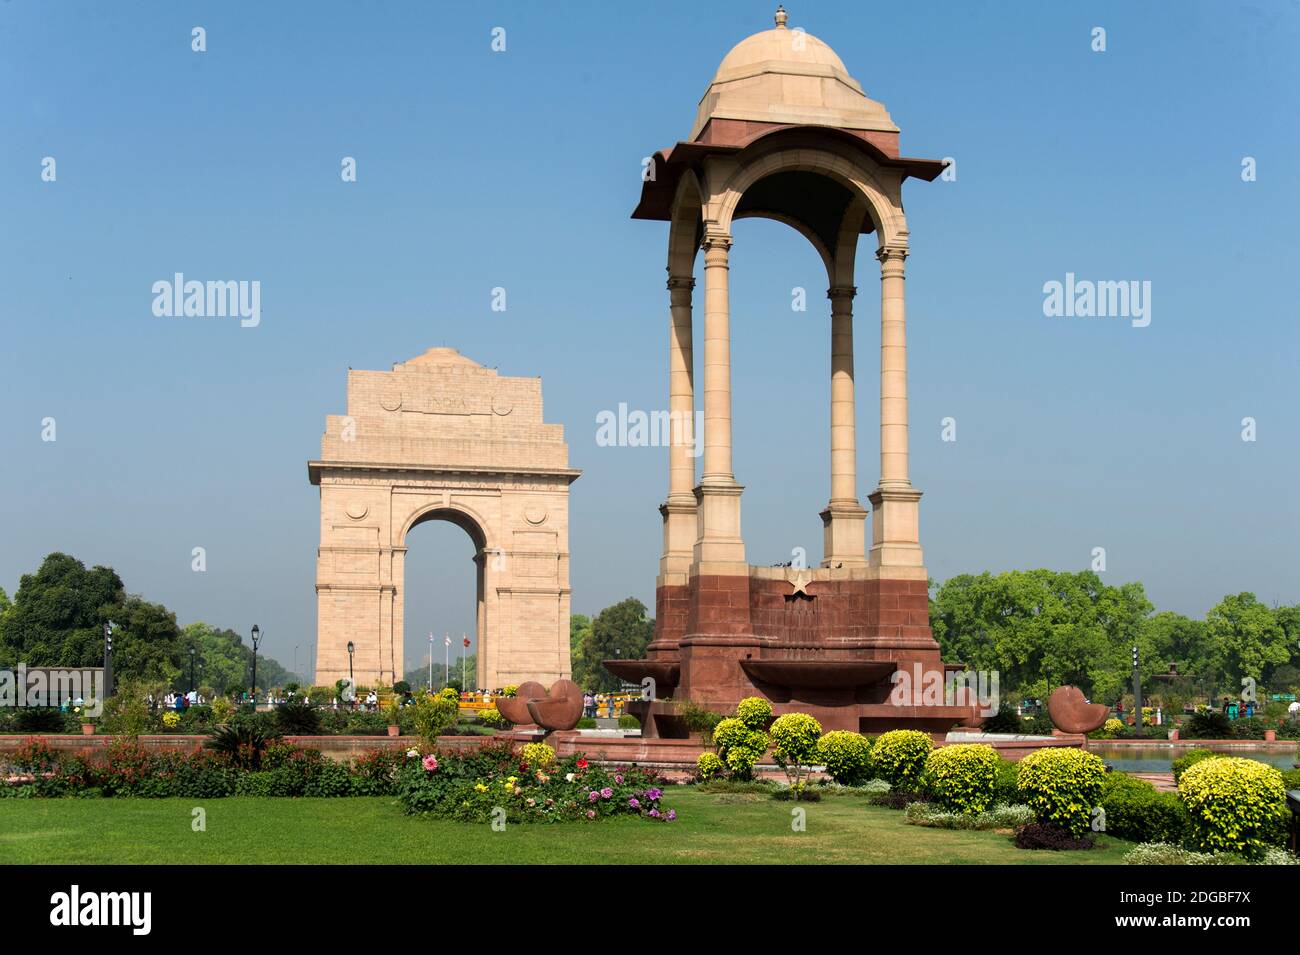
{"type": "Point", "coordinates": [852, 651]}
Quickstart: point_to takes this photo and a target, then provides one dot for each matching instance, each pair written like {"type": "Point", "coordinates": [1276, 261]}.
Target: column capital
{"type": "Point", "coordinates": [676, 282]}
{"type": "Point", "coordinates": [836, 292]}
{"type": "Point", "coordinates": [715, 241]}
{"type": "Point", "coordinates": [896, 252]}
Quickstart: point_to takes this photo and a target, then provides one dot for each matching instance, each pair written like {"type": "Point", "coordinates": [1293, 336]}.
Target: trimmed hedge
{"type": "Point", "coordinates": [1062, 786]}
{"type": "Point", "coordinates": [899, 757]}
{"type": "Point", "coordinates": [962, 777]}
{"type": "Point", "coordinates": [1133, 810]}
{"type": "Point", "coordinates": [1236, 805]}
{"type": "Point", "coordinates": [847, 757]}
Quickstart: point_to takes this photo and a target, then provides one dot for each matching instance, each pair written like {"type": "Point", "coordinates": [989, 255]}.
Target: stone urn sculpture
{"type": "Point", "coordinates": [1072, 713]}
{"type": "Point", "coordinates": [558, 708]}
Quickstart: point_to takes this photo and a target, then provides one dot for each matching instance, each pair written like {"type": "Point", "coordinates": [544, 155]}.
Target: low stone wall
{"type": "Point", "coordinates": [674, 757]}
{"type": "Point", "coordinates": [340, 748]}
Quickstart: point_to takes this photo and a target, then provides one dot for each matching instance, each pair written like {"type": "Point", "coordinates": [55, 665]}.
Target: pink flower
{"type": "Point", "coordinates": [619, 780]}
{"type": "Point", "coordinates": [634, 803]}
{"type": "Point", "coordinates": [593, 796]}
{"type": "Point", "coordinates": [430, 762]}
{"type": "Point", "coordinates": [606, 793]}
{"type": "Point", "coordinates": [591, 814]}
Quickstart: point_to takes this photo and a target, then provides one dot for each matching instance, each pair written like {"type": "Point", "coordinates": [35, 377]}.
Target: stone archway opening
{"type": "Point", "coordinates": [444, 596]}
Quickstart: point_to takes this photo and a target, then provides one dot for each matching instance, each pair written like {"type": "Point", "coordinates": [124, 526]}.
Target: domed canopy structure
{"type": "Point", "coordinates": [775, 81]}
{"type": "Point", "coordinates": [790, 77]}
{"type": "Point", "coordinates": [784, 132]}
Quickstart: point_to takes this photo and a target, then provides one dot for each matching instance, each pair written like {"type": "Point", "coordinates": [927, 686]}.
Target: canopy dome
{"type": "Point", "coordinates": [790, 77]}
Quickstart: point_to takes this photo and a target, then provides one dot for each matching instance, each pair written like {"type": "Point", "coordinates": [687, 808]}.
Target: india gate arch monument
{"type": "Point", "coordinates": [784, 132]}
{"type": "Point", "coordinates": [441, 437]}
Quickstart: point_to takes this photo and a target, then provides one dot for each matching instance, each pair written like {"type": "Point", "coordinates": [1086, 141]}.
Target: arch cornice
{"type": "Point", "coordinates": [466, 518]}
{"type": "Point", "coordinates": [875, 186]}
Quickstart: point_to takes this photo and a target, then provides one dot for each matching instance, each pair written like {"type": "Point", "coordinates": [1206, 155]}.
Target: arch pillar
{"type": "Point", "coordinates": [844, 519]}
{"type": "Point", "coordinates": [895, 525]}
{"type": "Point", "coordinates": [719, 547]}
{"type": "Point", "coordinates": [679, 510]}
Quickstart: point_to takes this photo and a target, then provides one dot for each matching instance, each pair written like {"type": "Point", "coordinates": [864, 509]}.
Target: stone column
{"type": "Point", "coordinates": [895, 527]}
{"type": "Point", "coordinates": [679, 509]}
{"type": "Point", "coordinates": [844, 519]}
{"type": "Point", "coordinates": [718, 495]}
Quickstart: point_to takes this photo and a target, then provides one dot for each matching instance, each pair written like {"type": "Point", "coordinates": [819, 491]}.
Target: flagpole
{"type": "Point", "coordinates": [446, 659]}
{"type": "Point", "coordinates": [430, 661]}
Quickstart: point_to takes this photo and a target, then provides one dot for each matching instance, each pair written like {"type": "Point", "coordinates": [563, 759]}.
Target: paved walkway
{"type": "Point", "coordinates": [1164, 782]}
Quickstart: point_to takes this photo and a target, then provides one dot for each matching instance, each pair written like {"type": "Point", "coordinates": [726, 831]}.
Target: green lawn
{"type": "Point", "coordinates": [710, 828]}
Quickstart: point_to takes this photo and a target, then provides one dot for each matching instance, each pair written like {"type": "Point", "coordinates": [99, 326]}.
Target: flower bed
{"type": "Point", "coordinates": [497, 785]}
{"type": "Point", "coordinates": [490, 784]}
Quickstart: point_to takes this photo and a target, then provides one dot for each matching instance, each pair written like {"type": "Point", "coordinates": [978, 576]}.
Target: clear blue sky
{"type": "Point", "coordinates": [519, 169]}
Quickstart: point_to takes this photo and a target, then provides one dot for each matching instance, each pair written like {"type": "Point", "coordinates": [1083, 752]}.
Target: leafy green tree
{"type": "Point", "coordinates": [1025, 624]}
{"type": "Point", "coordinates": [622, 630]}
{"type": "Point", "coordinates": [146, 645]}
{"type": "Point", "coordinates": [1247, 636]}
{"type": "Point", "coordinates": [58, 613]}
{"type": "Point", "coordinates": [579, 627]}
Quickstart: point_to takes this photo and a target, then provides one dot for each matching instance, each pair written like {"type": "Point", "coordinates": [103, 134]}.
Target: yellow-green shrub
{"type": "Point", "coordinates": [1236, 805]}
{"type": "Point", "coordinates": [755, 712]}
{"type": "Point", "coordinates": [847, 756]}
{"type": "Point", "coordinates": [537, 755]}
{"type": "Point", "coordinates": [794, 746]}
{"type": "Point", "coordinates": [739, 746]}
{"type": "Point", "coordinates": [1061, 786]}
{"type": "Point", "coordinates": [899, 756]}
{"type": "Point", "coordinates": [963, 777]}
{"type": "Point", "coordinates": [709, 765]}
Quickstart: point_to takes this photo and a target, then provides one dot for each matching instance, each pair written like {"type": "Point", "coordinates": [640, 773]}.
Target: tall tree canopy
{"type": "Point", "coordinates": [1247, 637]}
{"type": "Point", "coordinates": [623, 630]}
{"type": "Point", "coordinates": [57, 619]}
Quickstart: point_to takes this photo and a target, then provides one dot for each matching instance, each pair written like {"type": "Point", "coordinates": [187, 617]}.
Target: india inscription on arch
{"type": "Point", "coordinates": [440, 437]}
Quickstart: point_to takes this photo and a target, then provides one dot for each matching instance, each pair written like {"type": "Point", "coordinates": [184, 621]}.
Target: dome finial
{"type": "Point", "coordinates": [780, 17]}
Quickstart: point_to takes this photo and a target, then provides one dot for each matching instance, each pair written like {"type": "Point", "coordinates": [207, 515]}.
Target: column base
{"type": "Point", "coordinates": [844, 534]}
{"type": "Point", "coordinates": [895, 527]}
{"type": "Point", "coordinates": [717, 534]}
{"type": "Point", "coordinates": [680, 524]}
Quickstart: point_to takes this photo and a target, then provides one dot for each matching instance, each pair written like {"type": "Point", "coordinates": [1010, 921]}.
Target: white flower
{"type": "Point", "coordinates": [412, 753]}
{"type": "Point", "coordinates": [569, 777]}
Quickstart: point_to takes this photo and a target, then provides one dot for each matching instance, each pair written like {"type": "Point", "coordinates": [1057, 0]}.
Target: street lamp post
{"type": "Point", "coordinates": [1137, 692]}
{"type": "Point", "coordinates": [108, 658]}
{"type": "Point", "coordinates": [463, 660]}
{"type": "Point", "coordinates": [192, 657]}
{"type": "Point", "coordinates": [352, 649]}
{"type": "Point", "coordinates": [257, 640]}
{"type": "Point", "coordinates": [431, 661]}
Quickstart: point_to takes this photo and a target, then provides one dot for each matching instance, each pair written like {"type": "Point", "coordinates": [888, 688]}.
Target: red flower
{"type": "Point", "coordinates": [582, 764]}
